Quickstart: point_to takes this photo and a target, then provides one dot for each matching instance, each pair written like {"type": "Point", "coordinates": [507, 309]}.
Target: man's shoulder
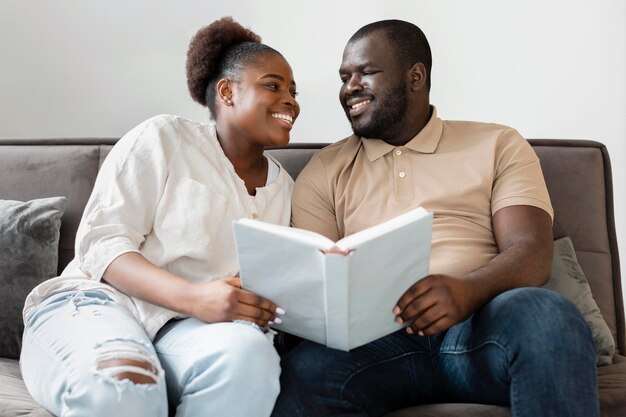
{"type": "Point", "coordinates": [466, 126]}
{"type": "Point", "coordinates": [343, 147]}
{"type": "Point", "coordinates": [461, 133]}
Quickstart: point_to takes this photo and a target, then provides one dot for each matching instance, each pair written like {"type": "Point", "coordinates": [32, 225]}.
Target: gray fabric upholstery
{"type": "Point", "coordinates": [578, 177]}
{"type": "Point", "coordinates": [568, 279]}
{"type": "Point", "coordinates": [579, 181]}
{"type": "Point", "coordinates": [15, 401]}
{"type": "Point", "coordinates": [29, 244]}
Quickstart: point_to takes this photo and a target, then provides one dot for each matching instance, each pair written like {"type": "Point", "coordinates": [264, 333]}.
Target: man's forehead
{"type": "Point", "coordinates": [365, 50]}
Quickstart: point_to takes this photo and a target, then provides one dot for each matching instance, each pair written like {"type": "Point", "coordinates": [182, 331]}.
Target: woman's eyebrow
{"type": "Point", "coordinates": [278, 77]}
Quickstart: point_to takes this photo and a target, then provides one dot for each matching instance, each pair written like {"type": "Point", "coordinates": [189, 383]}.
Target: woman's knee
{"type": "Point", "coordinates": [252, 358]}
{"type": "Point", "coordinates": [126, 380]}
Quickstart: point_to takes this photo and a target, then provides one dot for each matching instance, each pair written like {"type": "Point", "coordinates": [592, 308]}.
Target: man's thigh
{"type": "Point", "coordinates": [391, 372]}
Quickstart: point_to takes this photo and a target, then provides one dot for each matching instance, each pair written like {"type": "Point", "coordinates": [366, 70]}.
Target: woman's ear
{"type": "Point", "coordinates": [418, 76]}
{"type": "Point", "coordinates": [225, 92]}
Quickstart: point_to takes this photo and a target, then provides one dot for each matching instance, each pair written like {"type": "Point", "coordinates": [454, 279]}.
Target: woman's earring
{"type": "Point", "coordinates": [228, 101]}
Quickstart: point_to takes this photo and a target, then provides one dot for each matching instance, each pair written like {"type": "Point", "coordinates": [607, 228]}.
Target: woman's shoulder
{"type": "Point", "coordinates": [169, 123]}
{"type": "Point", "coordinates": [166, 131]}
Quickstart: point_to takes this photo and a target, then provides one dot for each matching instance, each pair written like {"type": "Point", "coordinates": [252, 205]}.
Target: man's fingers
{"type": "Point", "coordinates": [436, 326]}
{"type": "Point", "coordinates": [416, 290]}
{"type": "Point", "coordinates": [427, 317]}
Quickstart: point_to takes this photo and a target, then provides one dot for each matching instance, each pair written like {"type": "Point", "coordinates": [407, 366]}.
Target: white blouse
{"type": "Point", "coordinates": [167, 191]}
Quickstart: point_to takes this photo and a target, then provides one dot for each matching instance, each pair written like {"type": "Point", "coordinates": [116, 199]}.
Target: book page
{"type": "Point", "coordinates": [288, 272]}
{"type": "Point", "coordinates": [381, 270]}
{"type": "Point", "coordinates": [291, 233]}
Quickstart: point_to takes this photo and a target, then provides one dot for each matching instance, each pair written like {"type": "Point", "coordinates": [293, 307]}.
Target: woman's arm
{"type": "Point", "coordinates": [211, 302]}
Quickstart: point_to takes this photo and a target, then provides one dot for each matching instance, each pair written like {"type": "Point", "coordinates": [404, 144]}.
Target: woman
{"type": "Point", "coordinates": [151, 308]}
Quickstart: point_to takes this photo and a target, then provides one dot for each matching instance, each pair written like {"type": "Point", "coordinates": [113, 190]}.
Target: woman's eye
{"type": "Point", "coordinates": [272, 86]}
{"type": "Point", "coordinates": [294, 94]}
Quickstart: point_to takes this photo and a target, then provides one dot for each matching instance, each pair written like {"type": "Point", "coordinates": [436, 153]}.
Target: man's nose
{"type": "Point", "coordinates": [353, 85]}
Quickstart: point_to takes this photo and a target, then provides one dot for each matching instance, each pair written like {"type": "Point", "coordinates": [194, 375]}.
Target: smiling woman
{"type": "Point", "coordinates": [153, 298]}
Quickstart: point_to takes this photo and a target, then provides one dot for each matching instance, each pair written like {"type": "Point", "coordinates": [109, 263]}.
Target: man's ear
{"type": "Point", "coordinates": [224, 91]}
{"type": "Point", "coordinates": [418, 76]}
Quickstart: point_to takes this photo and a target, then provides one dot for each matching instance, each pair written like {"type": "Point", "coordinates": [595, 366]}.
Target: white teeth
{"type": "Point", "coordinates": [362, 103]}
{"type": "Point", "coordinates": [283, 117]}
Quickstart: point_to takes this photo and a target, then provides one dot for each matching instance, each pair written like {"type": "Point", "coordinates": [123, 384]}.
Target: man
{"type": "Point", "coordinates": [477, 332]}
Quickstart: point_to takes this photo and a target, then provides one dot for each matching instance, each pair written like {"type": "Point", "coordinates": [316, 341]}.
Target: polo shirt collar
{"type": "Point", "coordinates": [425, 141]}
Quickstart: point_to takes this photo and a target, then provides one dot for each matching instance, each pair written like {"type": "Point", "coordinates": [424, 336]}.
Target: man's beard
{"type": "Point", "coordinates": [385, 122]}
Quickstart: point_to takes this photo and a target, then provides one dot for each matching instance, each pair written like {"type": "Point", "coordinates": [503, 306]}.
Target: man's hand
{"type": "Point", "coordinates": [435, 304]}
{"type": "Point", "coordinates": [438, 302]}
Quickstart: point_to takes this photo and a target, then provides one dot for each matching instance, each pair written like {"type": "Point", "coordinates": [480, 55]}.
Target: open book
{"type": "Point", "coordinates": [340, 294]}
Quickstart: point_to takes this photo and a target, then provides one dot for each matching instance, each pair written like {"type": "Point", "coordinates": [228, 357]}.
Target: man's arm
{"type": "Point", "coordinates": [438, 302]}
{"type": "Point", "coordinates": [312, 203]}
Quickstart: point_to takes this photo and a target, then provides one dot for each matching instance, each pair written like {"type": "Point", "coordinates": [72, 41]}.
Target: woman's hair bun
{"type": "Point", "coordinates": [206, 49]}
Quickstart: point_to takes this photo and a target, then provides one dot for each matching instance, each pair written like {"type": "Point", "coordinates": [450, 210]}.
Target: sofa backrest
{"type": "Point", "coordinates": [578, 174]}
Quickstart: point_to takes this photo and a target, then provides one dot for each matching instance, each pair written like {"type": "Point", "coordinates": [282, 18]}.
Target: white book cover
{"type": "Point", "coordinates": [340, 294]}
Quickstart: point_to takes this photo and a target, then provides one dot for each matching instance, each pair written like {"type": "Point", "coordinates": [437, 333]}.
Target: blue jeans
{"type": "Point", "coordinates": [221, 369]}
{"type": "Point", "coordinates": [528, 348]}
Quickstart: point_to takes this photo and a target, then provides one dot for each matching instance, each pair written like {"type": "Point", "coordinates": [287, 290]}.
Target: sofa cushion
{"type": "Point", "coordinates": [29, 241]}
{"type": "Point", "coordinates": [567, 278]}
{"type": "Point", "coordinates": [16, 401]}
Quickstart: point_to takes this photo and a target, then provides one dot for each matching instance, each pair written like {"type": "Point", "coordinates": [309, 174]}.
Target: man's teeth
{"type": "Point", "coordinates": [283, 117]}
{"type": "Point", "coordinates": [362, 103]}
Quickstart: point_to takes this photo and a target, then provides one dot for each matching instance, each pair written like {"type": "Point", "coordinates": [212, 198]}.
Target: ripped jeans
{"type": "Point", "coordinates": [72, 341]}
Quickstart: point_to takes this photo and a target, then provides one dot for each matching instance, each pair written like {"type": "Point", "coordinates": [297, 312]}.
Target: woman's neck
{"type": "Point", "coordinates": [249, 162]}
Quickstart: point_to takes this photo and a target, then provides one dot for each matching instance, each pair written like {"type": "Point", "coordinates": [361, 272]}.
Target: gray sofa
{"type": "Point", "coordinates": [578, 174]}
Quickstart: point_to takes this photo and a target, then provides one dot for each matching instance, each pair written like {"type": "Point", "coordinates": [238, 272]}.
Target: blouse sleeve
{"type": "Point", "coordinates": [122, 206]}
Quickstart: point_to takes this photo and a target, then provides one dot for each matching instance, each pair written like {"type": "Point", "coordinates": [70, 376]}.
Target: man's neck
{"type": "Point", "coordinates": [413, 126]}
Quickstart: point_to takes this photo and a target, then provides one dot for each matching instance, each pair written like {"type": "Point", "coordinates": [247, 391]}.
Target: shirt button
{"type": "Point", "coordinates": [254, 215]}
{"type": "Point", "coordinates": [402, 174]}
{"type": "Point", "coordinates": [398, 152]}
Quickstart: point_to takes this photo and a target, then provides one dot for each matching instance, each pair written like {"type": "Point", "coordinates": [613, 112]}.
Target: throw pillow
{"type": "Point", "coordinates": [567, 278]}
{"type": "Point", "coordinates": [29, 242]}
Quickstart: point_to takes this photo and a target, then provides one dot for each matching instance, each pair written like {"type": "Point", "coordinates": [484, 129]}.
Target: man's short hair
{"type": "Point", "coordinates": [410, 43]}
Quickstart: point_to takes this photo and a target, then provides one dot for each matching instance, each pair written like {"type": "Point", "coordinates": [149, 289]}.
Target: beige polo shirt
{"type": "Point", "coordinates": [461, 171]}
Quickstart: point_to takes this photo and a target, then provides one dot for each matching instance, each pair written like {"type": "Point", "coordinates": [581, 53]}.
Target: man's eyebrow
{"type": "Point", "coordinates": [359, 67]}
{"type": "Point", "coordinates": [278, 77]}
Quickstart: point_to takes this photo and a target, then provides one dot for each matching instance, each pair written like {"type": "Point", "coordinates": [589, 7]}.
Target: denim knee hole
{"type": "Point", "coordinates": [123, 361]}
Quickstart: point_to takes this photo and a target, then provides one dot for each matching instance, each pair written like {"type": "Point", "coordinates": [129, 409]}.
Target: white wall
{"type": "Point", "coordinates": [550, 68]}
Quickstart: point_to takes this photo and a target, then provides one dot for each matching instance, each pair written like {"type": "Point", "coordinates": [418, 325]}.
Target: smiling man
{"type": "Point", "coordinates": [478, 330]}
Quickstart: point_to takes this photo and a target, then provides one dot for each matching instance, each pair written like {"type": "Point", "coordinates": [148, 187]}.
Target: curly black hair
{"type": "Point", "coordinates": [220, 50]}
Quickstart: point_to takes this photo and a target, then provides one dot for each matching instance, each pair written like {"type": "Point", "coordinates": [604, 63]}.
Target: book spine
{"type": "Point", "coordinates": [336, 296]}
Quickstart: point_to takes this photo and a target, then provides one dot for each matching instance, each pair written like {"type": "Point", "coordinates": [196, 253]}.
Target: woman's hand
{"type": "Point", "coordinates": [225, 300]}
{"type": "Point", "coordinates": [211, 302]}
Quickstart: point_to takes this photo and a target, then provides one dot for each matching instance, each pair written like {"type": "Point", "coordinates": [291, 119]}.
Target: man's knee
{"type": "Point", "coordinates": [307, 365]}
{"type": "Point", "coordinates": [542, 315]}
{"type": "Point", "coordinates": [535, 305]}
